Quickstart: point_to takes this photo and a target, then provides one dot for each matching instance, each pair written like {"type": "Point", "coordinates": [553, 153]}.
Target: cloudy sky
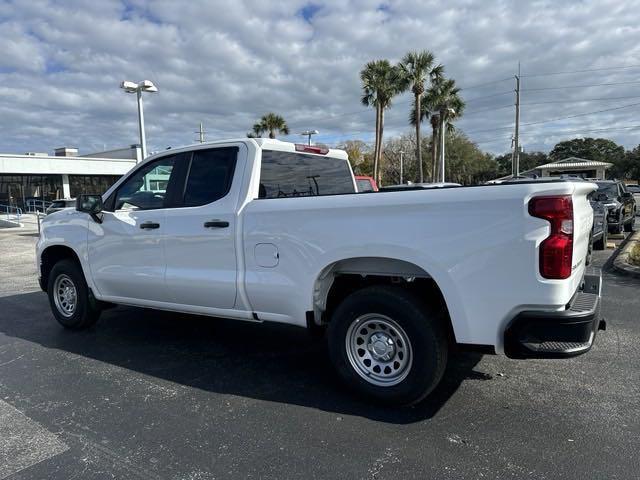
{"type": "Point", "coordinates": [225, 63]}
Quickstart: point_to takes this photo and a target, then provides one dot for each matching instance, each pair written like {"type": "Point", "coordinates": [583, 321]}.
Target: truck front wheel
{"type": "Point", "coordinates": [388, 345]}
{"type": "Point", "coordinates": [69, 296]}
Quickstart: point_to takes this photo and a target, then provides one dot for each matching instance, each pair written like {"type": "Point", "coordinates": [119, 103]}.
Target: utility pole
{"type": "Point", "coordinates": [516, 148]}
{"type": "Point", "coordinates": [442, 127]}
{"type": "Point", "coordinates": [401, 167]}
{"type": "Point", "coordinates": [201, 133]}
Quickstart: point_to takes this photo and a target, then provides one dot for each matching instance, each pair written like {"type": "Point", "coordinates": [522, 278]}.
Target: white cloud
{"type": "Point", "coordinates": [227, 63]}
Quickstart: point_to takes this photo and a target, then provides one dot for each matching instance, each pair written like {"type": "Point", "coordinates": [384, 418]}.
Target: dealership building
{"type": "Point", "coordinates": [32, 178]}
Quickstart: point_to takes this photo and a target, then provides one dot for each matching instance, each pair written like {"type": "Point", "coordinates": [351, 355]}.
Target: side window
{"type": "Point", "coordinates": [209, 175]}
{"type": "Point", "coordinates": [147, 188]}
{"type": "Point", "coordinates": [288, 174]}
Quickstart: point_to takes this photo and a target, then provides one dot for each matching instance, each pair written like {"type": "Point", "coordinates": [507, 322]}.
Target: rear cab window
{"type": "Point", "coordinates": [292, 174]}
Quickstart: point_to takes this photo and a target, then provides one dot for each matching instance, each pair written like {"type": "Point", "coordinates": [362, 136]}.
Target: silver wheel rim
{"type": "Point", "coordinates": [379, 350]}
{"type": "Point", "coordinates": [65, 295]}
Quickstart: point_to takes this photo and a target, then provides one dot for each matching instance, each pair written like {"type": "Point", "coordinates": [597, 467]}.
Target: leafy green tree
{"type": "Point", "coordinates": [597, 149]}
{"type": "Point", "coordinates": [632, 164]}
{"type": "Point", "coordinates": [357, 151]}
{"type": "Point", "coordinates": [380, 83]}
{"type": "Point", "coordinates": [466, 163]}
{"type": "Point", "coordinates": [528, 161]}
{"type": "Point", "coordinates": [416, 68]}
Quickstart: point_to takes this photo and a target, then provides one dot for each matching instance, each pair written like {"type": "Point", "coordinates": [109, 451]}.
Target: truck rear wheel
{"type": "Point", "coordinates": [388, 345]}
{"type": "Point", "coordinates": [69, 296]}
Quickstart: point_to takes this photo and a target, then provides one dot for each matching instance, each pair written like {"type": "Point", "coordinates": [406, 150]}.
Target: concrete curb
{"type": "Point", "coordinates": [620, 263]}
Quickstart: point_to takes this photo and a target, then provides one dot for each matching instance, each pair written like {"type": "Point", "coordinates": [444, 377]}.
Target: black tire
{"type": "Point", "coordinates": [628, 227]}
{"type": "Point", "coordinates": [422, 326]}
{"type": "Point", "coordinates": [601, 244]}
{"type": "Point", "coordinates": [86, 311]}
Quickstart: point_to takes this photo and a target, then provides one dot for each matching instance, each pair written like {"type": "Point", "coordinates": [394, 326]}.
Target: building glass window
{"type": "Point", "coordinates": [90, 184]}
{"type": "Point", "coordinates": [30, 192]}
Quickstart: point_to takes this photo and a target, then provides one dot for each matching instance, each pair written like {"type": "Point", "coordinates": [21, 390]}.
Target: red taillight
{"type": "Point", "coordinates": [556, 251]}
{"type": "Point", "coordinates": [300, 147]}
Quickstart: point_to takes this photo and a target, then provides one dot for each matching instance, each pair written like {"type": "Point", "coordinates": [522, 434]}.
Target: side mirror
{"type": "Point", "coordinates": [627, 195]}
{"type": "Point", "coordinates": [91, 204]}
{"type": "Point", "coordinates": [601, 197]}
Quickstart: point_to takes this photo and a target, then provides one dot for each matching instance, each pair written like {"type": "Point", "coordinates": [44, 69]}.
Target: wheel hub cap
{"type": "Point", "coordinates": [65, 295]}
{"type": "Point", "coordinates": [379, 349]}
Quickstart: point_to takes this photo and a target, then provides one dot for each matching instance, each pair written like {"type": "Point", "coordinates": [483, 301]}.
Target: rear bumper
{"type": "Point", "coordinates": [558, 334]}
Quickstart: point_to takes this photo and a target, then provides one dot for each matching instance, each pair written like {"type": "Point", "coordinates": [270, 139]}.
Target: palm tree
{"type": "Point", "coordinates": [380, 83]}
{"type": "Point", "coordinates": [271, 123]}
{"type": "Point", "coordinates": [256, 131]}
{"type": "Point", "coordinates": [441, 96]}
{"type": "Point", "coordinates": [416, 69]}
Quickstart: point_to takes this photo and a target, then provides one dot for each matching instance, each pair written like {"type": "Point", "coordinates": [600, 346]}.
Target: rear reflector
{"type": "Point", "coordinates": [556, 251]}
{"type": "Point", "coordinates": [311, 149]}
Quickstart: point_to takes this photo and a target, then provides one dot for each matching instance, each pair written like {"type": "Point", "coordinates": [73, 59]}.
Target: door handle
{"type": "Point", "coordinates": [216, 224]}
{"type": "Point", "coordinates": [149, 225]}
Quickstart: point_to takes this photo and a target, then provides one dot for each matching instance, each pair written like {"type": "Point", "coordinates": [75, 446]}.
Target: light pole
{"type": "Point", "coordinates": [443, 114]}
{"type": "Point", "coordinates": [138, 88]}
{"type": "Point", "coordinates": [308, 133]}
{"type": "Point", "coordinates": [401, 167]}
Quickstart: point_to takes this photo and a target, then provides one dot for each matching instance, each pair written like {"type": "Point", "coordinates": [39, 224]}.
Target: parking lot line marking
{"type": "Point", "coordinates": [24, 442]}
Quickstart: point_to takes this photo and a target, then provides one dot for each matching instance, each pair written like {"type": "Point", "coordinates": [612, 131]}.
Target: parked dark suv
{"type": "Point", "coordinates": [620, 204]}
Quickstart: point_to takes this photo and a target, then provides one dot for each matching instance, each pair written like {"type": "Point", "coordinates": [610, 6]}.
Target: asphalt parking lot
{"type": "Point", "coordinates": [155, 395]}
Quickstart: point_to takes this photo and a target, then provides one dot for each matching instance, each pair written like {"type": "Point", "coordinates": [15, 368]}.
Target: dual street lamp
{"type": "Point", "coordinates": [308, 133]}
{"type": "Point", "coordinates": [138, 88]}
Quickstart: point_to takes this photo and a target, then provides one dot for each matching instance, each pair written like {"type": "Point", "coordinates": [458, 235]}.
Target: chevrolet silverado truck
{"type": "Point", "coordinates": [262, 230]}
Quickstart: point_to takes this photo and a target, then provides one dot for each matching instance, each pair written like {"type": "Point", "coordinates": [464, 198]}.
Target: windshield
{"type": "Point", "coordinates": [609, 189]}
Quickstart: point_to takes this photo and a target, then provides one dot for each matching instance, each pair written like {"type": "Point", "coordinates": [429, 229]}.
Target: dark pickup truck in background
{"type": "Point", "coordinates": [620, 204]}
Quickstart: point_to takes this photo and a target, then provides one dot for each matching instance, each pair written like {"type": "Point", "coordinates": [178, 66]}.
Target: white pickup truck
{"type": "Point", "coordinates": [263, 230]}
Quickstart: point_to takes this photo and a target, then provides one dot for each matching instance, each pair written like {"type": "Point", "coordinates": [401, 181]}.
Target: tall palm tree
{"type": "Point", "coordinates": [273, 123]}
{"type": "Point", "coordinates": [417, 68]}
{"type": "Point", "coordinates": [442, 95]}
{"type": "Point", "coordinates": [380, 83]}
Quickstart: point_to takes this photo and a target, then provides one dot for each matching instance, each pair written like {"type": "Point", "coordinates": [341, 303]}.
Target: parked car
{"type": "Point", "coordinates": [263, 230]}
{"type": "Point", "coordinates": [635, 190]}
{"type": "Point", "coordinates": [366, 184]}
{"type": "Point", "coordinates": [621, 205]}
{"type": "Point", "coordinates": [58, 205]}
{"type": "Point", "coordinates": [600, 229]}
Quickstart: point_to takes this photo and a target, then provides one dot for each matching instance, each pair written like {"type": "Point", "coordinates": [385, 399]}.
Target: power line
{"type": "Point", "coordinates": [538, 122]}
{"type": "Point", "coordinates": [486, 83]}
{"type": "Point", "coordinates": [545, 74]}
{"type": "Point", "coordinates": [583, 100]}
{"type": "Point", "coordinates": [490, 96]}
{"type": "Point", "coordinates": [472, 112]}
{"type": "Point", "coordinates": [564, 132]}
{"type": "Point", "coordinates": [579, 86]}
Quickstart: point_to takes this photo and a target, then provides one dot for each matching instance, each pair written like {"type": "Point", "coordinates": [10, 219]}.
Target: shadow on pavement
{"type": "Point", "coordinates": [272, 362]}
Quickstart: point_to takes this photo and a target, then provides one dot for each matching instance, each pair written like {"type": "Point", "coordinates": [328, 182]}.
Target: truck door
{"type": "Point", "coordinates": [200, 231]}
{"type": "Point", "coordinates": [126, 256]}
